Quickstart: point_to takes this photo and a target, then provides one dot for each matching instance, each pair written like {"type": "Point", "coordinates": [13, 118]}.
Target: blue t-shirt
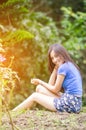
{"type": "Point", "coordinates": [72, 83]}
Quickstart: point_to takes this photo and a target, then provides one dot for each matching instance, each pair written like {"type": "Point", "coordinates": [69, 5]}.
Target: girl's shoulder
{"type": "Point", "coordinates": [63, 68]}
{"type": "Point", "coordinates": [66, 66]}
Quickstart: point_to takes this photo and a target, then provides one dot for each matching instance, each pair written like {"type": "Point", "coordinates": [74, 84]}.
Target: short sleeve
{"type": "Point", "coordinates": [63, 69]}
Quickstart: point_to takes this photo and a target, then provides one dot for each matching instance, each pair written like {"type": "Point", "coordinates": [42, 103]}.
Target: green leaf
{"type": "Point", "coordinates": [17, 36]}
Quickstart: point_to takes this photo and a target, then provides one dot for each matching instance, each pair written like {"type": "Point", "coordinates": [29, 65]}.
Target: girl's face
{"type": "Point", "coordinates": [56, 59]}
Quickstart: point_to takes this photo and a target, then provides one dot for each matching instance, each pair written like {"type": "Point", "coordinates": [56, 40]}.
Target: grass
{"type": "Point", "coordinates": [45, 120]}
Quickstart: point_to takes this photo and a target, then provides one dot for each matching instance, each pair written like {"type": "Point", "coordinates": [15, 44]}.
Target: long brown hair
{"type": "Point", "coordinates": [59, 50]}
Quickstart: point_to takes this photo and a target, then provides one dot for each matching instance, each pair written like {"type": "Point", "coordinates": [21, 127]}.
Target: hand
{"type": "Point", "coordinates": [56, 67]}
{"type": "Point", "coordinates": [35, 81]}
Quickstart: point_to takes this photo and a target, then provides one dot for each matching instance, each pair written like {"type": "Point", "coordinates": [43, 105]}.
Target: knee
{"type": "Point", "coordinates": [39, 89]}
{"type": "Point", "coordinates": [33, 95]}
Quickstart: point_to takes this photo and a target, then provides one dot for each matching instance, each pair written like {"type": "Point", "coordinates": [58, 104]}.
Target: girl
{"type": "Point", "coordinates": [64, 74]}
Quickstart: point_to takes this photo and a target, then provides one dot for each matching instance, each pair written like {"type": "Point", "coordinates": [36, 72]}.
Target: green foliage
{"type": "Point", "coordinates": [12, 11]}
{"type": "Point", "coordinates": [73, 32]}
{"type": "Point", "coordinates": [52, 7]}
{"type": "Point", "coordinates": [84, 100]}
{"type": "Point", "coordinates": [13, 2]}
{"type": "Point", "coordinates": [73, 36]}
{"type": "Point", "coordinates": [29, 34]}
{"type": "Point", "coordinates": [16, 36]}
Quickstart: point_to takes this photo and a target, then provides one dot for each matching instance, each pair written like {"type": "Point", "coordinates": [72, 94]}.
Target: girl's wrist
{"type": "Point", "coordinates": [41, 82]}
{"type": "Point", "coordinates": [55, 67]}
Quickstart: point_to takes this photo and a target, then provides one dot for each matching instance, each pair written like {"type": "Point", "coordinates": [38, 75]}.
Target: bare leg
{"type": "Point", "coordinates": [45, 91]}
{"type": "Point", "coordinates": [42, 96]}
{"type": "Point", "coordinates": [44, 100]}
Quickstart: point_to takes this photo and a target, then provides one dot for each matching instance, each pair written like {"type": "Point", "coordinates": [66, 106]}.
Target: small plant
{"type": "Point", "coordinates": [8, 79]}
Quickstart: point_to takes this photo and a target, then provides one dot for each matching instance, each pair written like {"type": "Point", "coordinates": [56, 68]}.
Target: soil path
{"type": "Point", "coordinates": [44, 120]}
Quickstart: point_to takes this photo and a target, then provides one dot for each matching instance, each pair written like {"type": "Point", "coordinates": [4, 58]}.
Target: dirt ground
{"type": "Point", "coordinates": [44, 120]}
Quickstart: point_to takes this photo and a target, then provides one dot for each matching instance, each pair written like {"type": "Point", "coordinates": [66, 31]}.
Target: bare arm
{"type": "Point", "coordinates": [53, 77]}
{"type": "Point", "coordinates": [53, 88]}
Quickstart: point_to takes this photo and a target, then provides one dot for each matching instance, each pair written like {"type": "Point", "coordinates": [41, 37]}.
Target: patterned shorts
{"type": "Point", "coordinates": [68, 103]}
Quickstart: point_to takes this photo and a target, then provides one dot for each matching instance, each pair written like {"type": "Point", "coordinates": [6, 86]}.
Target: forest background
{"type": "Point", "coordinates": [27, 29]}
